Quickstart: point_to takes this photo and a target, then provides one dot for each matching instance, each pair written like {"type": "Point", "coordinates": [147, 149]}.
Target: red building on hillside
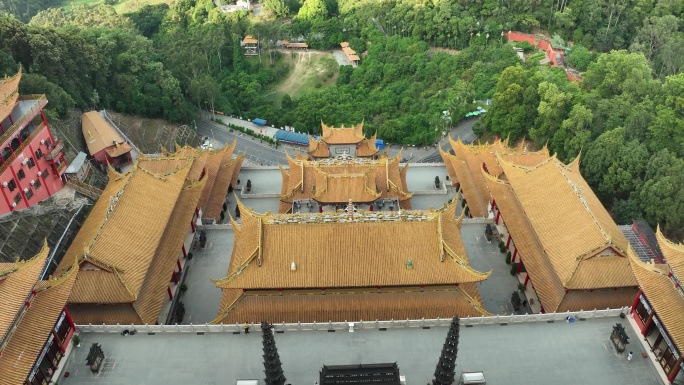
{"type": "Point", "coordinates": [31, 160]}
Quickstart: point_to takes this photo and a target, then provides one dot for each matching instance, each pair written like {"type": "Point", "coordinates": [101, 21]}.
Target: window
{"type": "Point", "coordinates": [17, 198]}
{"type": "Point", "coordinates": [31, 163]}
{"type": "Point", "coordinates": [45, 173]}
{"type": "Point", "coordinates": [39, 153]}
{"type": "Point", "coordinates": [12, 184]}
{"type": "Point", "coordinates": [47, 143]}
{"type": "Point", "coordinates": [21, 174]}
{"type": "Point", "coordinates": [36, 185]}
{"type": "Point", "coordinates": [29, 194]}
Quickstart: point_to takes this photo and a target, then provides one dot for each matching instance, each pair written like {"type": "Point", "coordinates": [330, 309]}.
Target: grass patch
{"type": "Point", "coordinates": [66, 4]}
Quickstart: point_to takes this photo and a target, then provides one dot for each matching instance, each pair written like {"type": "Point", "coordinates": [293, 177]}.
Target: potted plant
{"type": "Point", "coordinates": [183, 288]}
{"type": "Point", "coordinates": [514, 269]}
{"type": "Point", "coordinates": [522, 287]}
{"type": "Point", "coordinates": [508, 258]}
{"type": "Point", "coordinates": [76, 339]}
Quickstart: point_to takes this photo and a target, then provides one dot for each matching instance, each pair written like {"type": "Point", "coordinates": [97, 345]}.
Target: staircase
{"type": "Point", "coordinates": [84, 188]}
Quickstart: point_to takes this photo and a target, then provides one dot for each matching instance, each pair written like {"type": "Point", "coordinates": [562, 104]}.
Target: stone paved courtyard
{"type": "Point", "coordinates": [528, 353]}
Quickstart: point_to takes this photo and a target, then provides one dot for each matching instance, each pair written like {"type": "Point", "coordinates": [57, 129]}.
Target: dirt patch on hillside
{"type": "Point", "coordinates": [311, 70]}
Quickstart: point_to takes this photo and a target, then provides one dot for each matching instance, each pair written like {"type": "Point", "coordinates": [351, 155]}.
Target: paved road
{"type": "Point", "coordinates": [259, 153]}
{"type": "Point", "coordinates": [464, 130]}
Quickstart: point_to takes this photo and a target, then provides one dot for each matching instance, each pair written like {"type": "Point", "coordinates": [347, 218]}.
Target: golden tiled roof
{"type": "Point", "coordinates": [546, 282]}
{"type": "Point", "coordinates": [225, 175]}
{"type": "Point", "coordinates": [28, 340]}
{"type": "Point", "coordinates": [465, 168]}
{"type": "Point", "coordinates": [124, 230]}
{"type": "Point", "coordinates": [99, 135]}
{"type": "Point", "coordinates": [350, 305]}
{"type": "Point", "coordinates": [564, 235]}
{"type": "Point", "coordinates": [16, 282]}
{"type": "Point", "coordinates": [570, 222]}
{"type": "Point", "coordinates": [215, 159]}
{"type": "Point", "coordinates": [337, 181]}
{"type": "Point", "coordinates": [674, 255]}
{"type": "Point", "coordinates": [110, 314]}
{"type": "Point", "coordinates": [317, 148]}
{"type": "Point", "coordinates": [367, 146]}
{"type": "Point", "coordinates": [330, 251]}
{"type": "Point", "coordinates": [666, 299]}
{"type": "Point", "coordinates": [342, 135]}
{"type": "Point", "coordinates": [9, 93]}
{"type": "Point", "coordinates": [576, 300]}
{"type": "Point", "coordinates": [153, 290]}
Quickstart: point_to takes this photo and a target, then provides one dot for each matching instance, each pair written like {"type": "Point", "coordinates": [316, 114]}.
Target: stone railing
{"type": "Point", "coordinates": [360, 325]}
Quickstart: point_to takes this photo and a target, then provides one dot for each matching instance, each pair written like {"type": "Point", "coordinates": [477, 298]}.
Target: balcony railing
{"type": "Point", "coordinates": [22, 120]}
{"type": "Point", "coordinates": [6, 162]}
{"type": "Point", "coordinates": [55, 149]}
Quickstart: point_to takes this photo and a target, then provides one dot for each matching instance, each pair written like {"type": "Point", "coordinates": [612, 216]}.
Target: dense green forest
{"type": "Point", "coordinates": [626, 117]}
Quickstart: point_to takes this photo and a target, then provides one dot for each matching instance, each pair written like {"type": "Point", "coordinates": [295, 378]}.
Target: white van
{"type": "Point", "coordinates": [468, 378]}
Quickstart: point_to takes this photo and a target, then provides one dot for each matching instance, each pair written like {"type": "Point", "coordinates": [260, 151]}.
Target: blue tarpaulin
{"type": "Point", "coordinates": [292, 137]}
{"type": "Point", "coordinates": [380, 144]}
{"type": "Point", "coordinates": [259, 121]}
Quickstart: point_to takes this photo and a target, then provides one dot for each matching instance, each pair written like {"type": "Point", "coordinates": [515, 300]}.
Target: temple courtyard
{"type": "Point", "coordinates": [522, 353]}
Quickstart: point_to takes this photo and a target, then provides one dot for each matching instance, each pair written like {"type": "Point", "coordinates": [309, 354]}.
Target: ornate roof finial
{"type": "Point", "coordinates": [350, 210]}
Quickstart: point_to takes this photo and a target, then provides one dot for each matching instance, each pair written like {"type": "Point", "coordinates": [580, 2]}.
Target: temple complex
{"type": "Point", "coordinates": [35, 327]}
{"type": "Point", "coordinates": [342, 141]}
{"type": "Point", "coordinates": [135, 240]}
{"type": "Point", "coordinates": [31, 160]}
{"type": "Point", "coordinates": [376, 183]}
{"type": "Point", "coordinates": [658, 308]}
{"type": "Point", "coordinates": [464, 167]}
{"type": "Point", "coordinates": [565, 243]}
{"type": "Point", "coordinates": [348, 265]}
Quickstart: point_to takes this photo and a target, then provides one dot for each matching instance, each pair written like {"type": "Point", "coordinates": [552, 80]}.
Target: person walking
{"type": "Point", "coordinates": [246, 328]}
{"type": "Point", "coordinates": [629, 357]}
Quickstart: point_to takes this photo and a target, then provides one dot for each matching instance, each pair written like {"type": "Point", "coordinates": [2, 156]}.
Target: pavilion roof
{"type": "Point", "coordinates": [674, 255]}
{"type": "Point", "coordinates": [249, 40]}
{"type": "Point", "coordinates": [226, 174]}
{"type": "Point", "coordinates": [123, 232]}
{"type": "Point", "coordinates": [332, 250]}
{"type": "Point", "coordinates": [342, 135]}
{"type": "Point", "coordinates": [337, 180]}
{"type": "Point", "coordinates": [9, 93]}
{"type": "Point", "coordinates": [99, 135]}
{"type": "Point", "coordinates": [339, 305]}
{"type": "Point", "coordinates": [367, 147]}
{"type": "Point", "coordinates": [469, 159]}
{"type": "Point", "coordinates": [317, 148]}
{"type": "Point", "coordinates": [214, 170]}
{"type": "Point", "coordinates": [28, 338]}
{"type": "Point", "coordinates": [573, 231]}
{"type": "Point", "coordinates": [667, 300]}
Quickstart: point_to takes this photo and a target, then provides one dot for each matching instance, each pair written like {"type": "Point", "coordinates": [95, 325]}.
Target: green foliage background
{"type": "Point", "coordinates": [626, 117]}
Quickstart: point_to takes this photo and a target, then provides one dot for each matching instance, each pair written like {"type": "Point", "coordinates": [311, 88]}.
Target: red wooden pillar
{"type": "Point", "coordinates": [527, 279]}
{"type": "Point", "coordinates": [42, 115]}
{"type": "Point", "coordinates": [185, 253]}
{"type": "Point", "coordinates": [192, 224]}
{"type": "Point", "coordinates": [175, 277]}
{"type": "Point", "coordinates": [320, 208]}
{"type": "Point", "coordinates": [11, 120]}
{"type": "Point", "coordinates": [61, 346]}
{"type": "Point", "coordinates": [2, 128]}
{"type": "Point", "coordinates": [493, 204]}
{"type": "Point", "coordinates": [515, 254]}
{"type": "Point", "coordinates": [180, 269]}
{"type": "Point", "coordinates": [168, 291]}
{"type": "Point", "coordinates": [72, 326]}
{"type": "Point", "coordinates": [519, 267]}
{"type": "Point", "coordinates": [498, 215]}
{"type": "Point", "coordinates": [636, 300]}
{"type": "Point", "coordinates": [508, 241]}
{"type": "Point", "coordinates": [675, 369]}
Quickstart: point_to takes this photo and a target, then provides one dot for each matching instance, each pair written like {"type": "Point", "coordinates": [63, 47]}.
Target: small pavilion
{"type": "Point", "coordinates": [250, 45]}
